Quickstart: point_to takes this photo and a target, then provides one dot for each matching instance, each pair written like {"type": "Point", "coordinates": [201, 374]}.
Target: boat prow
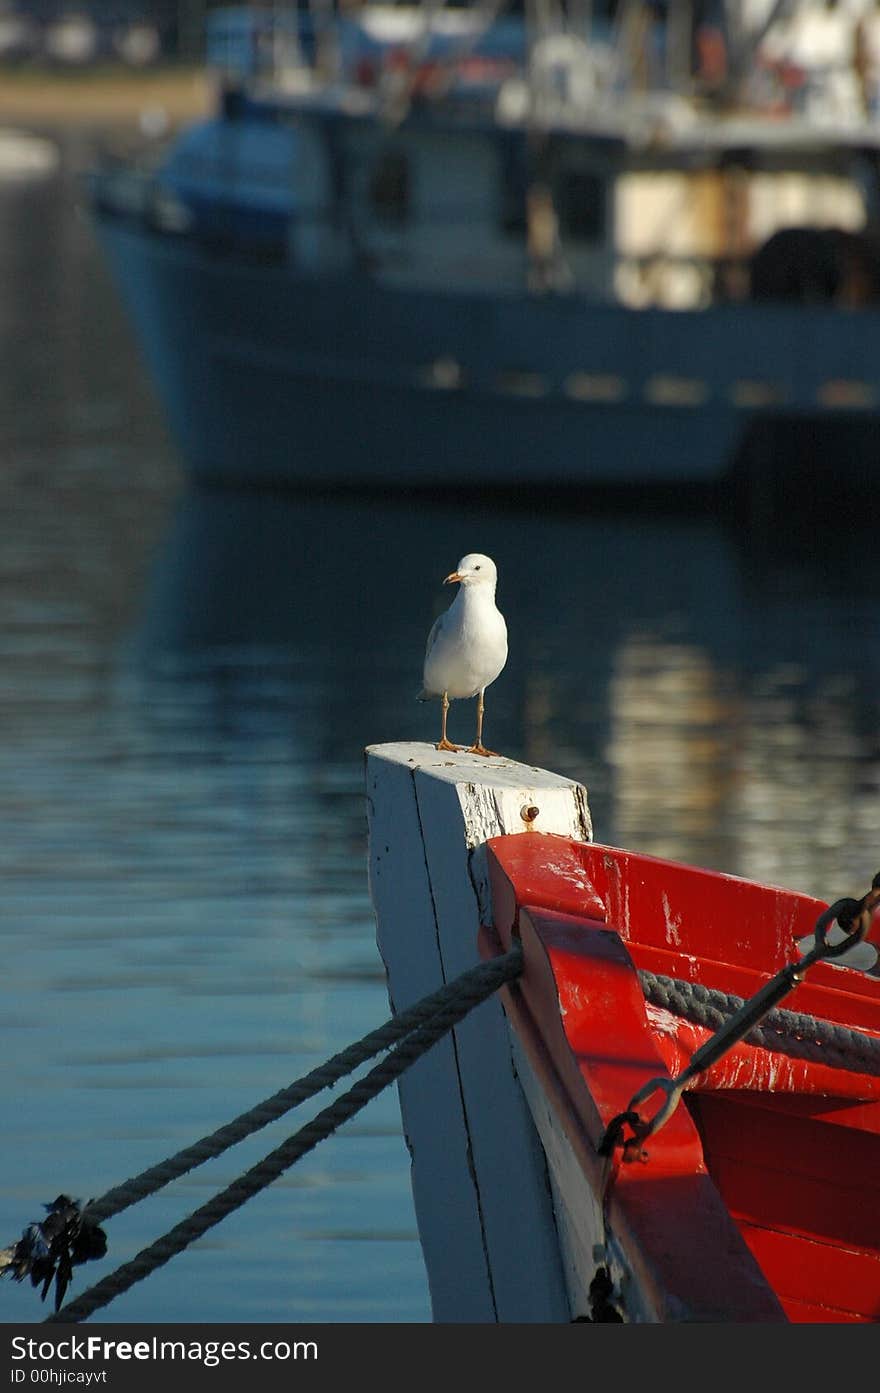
{"type": "Point", "coordinates": [758, 1199]}
{"type": "Point", "coordinates": [672, 1115]}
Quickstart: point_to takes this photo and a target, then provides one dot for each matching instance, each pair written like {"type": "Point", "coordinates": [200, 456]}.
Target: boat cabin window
{"type": "Point", "coordinates": [390, 188]}
{"type": "Point", "coordinates": [580, 204]}
{"type": "Point", "coordinates": [686, 238]}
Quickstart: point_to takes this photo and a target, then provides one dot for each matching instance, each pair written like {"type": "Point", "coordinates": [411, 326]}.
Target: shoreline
{"type": "Point", "coordinates": [103, 97]}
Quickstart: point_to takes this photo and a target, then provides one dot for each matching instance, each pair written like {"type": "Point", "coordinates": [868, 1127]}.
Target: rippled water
{"type": "Point", "coordinates": [187, 683]}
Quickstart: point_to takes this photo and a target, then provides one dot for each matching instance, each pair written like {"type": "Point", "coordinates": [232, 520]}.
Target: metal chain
{"type": "Point", "coordinates": [853, 916]}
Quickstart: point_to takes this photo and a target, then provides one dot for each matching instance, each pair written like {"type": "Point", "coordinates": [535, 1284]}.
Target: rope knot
{"type": "Point", "coordinates": [49, 1250]}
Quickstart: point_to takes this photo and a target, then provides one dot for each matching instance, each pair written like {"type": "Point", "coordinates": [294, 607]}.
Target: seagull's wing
{"type": "Point", "coordinates": [435, 630]}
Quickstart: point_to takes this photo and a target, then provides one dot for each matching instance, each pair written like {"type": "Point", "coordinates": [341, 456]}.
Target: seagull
{"type": "Point", "coordinates": [467, 647]}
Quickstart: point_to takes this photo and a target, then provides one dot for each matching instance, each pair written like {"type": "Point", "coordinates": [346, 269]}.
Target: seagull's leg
{"type": "Point", "coordinates": [478, 748]}
{"type": "Point", "coordinates": [444, 743]}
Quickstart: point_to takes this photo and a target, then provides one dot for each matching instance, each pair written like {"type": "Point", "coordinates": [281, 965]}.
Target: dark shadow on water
{"type": "Point", "coordinates": [279, 564]}
{"type": "Point", "coordinates": [341, 590]}
{"type": "Point", "coordinates": [573, 500]}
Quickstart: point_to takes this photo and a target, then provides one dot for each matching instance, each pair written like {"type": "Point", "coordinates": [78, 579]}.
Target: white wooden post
{"type": "Point", "coordinates": [479, 1177]}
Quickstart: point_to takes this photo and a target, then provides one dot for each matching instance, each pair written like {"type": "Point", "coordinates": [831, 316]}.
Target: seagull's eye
{"type": "Point", "coordinates": [476, 568]}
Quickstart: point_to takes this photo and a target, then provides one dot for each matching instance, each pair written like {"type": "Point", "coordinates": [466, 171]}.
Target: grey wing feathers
{"type": "Point", "coordinates": [435, 629]}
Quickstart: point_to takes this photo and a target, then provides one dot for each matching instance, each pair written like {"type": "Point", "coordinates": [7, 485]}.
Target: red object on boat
{"type": "Point", "coordinates": [759, 1199]}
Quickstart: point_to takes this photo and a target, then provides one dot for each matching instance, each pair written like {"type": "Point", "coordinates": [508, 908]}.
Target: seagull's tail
{"type": "Point", "coordinates": [423, 695]}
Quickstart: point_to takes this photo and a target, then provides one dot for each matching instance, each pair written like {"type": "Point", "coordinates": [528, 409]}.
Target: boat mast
{"type": "Point", "coordinates": [677, 43]}
{"type": "Point", "coordinates": [543, 253]}
{"type": "Point", "coordinates": [743, 39]}
{"type": "Point", "coordinates": [326, 54]}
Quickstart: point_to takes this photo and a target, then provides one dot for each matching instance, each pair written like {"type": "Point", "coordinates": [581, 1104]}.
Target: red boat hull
{"type": "Point", "coordinates": [759, 1200]}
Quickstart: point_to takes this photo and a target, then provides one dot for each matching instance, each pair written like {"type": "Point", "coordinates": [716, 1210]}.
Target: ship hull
{"type": "Point", "coordinates": [273, 377]}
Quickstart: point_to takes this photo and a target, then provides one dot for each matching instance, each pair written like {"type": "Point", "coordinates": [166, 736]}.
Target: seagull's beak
{"type": "Point", "coordinates": [456, 575]}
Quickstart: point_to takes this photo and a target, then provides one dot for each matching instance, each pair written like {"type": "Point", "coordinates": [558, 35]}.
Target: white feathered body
{"type": "Point", "coordinates": [467, 647]}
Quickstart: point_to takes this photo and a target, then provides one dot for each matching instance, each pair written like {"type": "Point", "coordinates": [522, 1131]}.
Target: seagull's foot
{"type": "Point", "coordinates": [480, 750]}
{"type": "Point", "coordinates": [447, 745]}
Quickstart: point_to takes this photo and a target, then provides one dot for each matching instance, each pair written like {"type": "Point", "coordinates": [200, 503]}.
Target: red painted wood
{"type": "Point", "coordinates": [786, 1169]}
{"type": "Point", "coordinates": [807, 1202]}
{"type": "Point", "coordinates": [730, 921]}
{"type": "Point", "coordinates": [804, 1312]}
{"type": "Point", "coordinates": [833, 1111]}
{"type": "Point", "coordinates": [589, 1062]}
{"type": "Point", "coordinates": [605, 1029]}
{"type": "Point", "coordinates": [802, 1152]}
{"type": "Point", "coordinates": [844, 1285]}
{"type": "Point", "coordinates": [754, 1068]}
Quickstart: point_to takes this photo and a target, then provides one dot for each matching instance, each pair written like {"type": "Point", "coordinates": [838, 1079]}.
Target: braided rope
{"type": "Point", "coordinates": [411, 1034]}
{"type": "Point", "coordinates": [458, 999]}
{"type": "Point", "coordinates": [786, 1032]}
{"type": "Point", "coordinates": [469, 987]}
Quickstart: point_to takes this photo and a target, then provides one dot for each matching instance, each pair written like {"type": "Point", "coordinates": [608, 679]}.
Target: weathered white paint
{"type": "Point", "coordinates": [479, 1175]}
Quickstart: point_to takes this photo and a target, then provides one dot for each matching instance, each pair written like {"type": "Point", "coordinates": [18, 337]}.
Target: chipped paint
{"type": "Point", "coordinates": [663, 1020]}
{"type": "Point", "coordinates": [565, 873]}
{"type": "Point", "coordinates": [671, 922]}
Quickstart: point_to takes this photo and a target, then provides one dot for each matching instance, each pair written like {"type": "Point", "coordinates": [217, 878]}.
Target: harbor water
{"type": "Point", "coordinates": [188, 684]}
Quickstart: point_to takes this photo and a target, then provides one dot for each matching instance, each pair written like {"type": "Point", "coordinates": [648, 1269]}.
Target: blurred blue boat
{"type": "Point", "coordinates": [430, 247]}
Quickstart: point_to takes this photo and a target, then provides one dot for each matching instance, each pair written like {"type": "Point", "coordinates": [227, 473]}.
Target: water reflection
{"type": "Point", "coordinates": [672, 748]}
{"type": "Point", "coordinates": [718, 697]}
{"type": "Point", "coordinates": [185, 925]}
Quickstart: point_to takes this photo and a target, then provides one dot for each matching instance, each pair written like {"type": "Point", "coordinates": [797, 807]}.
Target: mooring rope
{"type": "Point", "coordinates": [405, 1037]}
{"type": "Point", "coordinates": [457, 999]}
{"type": "Point", "coordinates": [469, 989]}
{"type": "Point", "coordinates": [787, 1032]}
